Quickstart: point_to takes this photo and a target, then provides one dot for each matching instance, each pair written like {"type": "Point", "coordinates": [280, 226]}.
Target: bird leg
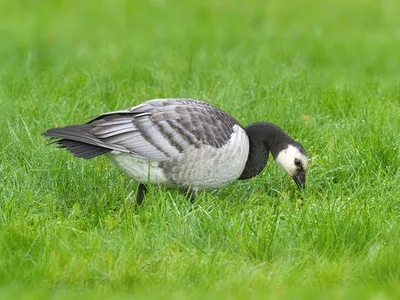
{"type": "Point", "coordinates": [142, 189]}
{"type": "Point", "coordinates": [189, 193]}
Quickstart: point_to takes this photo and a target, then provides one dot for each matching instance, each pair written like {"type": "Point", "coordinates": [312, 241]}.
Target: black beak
{"type": "Point", "coordinates": [300, 180]}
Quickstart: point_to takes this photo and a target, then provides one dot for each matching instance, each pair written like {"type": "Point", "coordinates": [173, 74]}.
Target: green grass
{"type": "Point", "coordinates": [325, 71]}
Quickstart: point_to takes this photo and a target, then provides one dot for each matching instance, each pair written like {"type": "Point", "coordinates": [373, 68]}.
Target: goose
{"type": "Point", "coordinates": [182, 143]}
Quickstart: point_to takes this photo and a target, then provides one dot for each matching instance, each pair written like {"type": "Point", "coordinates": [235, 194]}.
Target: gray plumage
{"type": "Point", "coordinates": [182, 143]}
{"type": "Point", "coordinates": [157, 130]}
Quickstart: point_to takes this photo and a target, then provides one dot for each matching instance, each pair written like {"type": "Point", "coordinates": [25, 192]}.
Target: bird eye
{"type": "Point", "coordinates": [297, 162]}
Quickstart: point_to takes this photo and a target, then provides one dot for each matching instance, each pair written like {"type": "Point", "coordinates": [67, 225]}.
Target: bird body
{"type": "Point", "coordinates": [183, 143]}
{"type": "Point", "coordinates": [202, 168]}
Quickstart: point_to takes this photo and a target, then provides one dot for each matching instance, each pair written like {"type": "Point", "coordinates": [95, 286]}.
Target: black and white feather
{"type": "Point", "coordinates": [181, 143]}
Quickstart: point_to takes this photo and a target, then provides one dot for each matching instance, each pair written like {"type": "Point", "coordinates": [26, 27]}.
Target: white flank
{"type": "Point", "coordinates": [138, 168]}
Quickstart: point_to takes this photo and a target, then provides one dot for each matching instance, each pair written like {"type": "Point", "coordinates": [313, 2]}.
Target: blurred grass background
{"type": "Point", "coordinates": [327, 72]}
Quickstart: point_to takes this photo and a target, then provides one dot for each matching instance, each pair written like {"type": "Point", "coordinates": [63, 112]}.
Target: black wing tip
{"type": "Point", "coordinates": [47, 133]}
{"type": "Point", "coordinates": [79, 149]}
{"type": "Point", "coordinates": [53, 139]}
{"type": "Point", "coordinates": [54, 132]}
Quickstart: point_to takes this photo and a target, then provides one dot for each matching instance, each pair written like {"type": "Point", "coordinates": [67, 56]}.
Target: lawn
{"type": "Point", "coordinates": [326, 71]}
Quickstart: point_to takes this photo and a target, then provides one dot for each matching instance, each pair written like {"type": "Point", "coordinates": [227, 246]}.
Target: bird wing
{"type": "Point", "coordinates": [162, 128]}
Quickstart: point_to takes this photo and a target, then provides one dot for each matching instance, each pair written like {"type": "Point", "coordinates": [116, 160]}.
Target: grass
{"type": "Point", "coordinates": [327, 72]}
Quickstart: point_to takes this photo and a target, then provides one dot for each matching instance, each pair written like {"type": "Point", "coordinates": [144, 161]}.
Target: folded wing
{"type": "Point", "coordinates": [157, 130]}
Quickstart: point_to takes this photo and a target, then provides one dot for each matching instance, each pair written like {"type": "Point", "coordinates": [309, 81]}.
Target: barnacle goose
{"type": "Point", "coordinates": [183, 143]}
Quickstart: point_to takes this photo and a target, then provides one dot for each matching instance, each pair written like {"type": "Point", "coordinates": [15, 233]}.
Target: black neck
{"type": "Point", "coordinates": [263, 138]}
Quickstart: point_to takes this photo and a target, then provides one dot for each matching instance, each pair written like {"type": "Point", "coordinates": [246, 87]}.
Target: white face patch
{"type": "Point", "coordinates": [286, 160]}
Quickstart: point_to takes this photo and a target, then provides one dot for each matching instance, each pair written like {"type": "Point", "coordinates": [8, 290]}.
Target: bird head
{"type": "Point", "coordinates": [293, 160]}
